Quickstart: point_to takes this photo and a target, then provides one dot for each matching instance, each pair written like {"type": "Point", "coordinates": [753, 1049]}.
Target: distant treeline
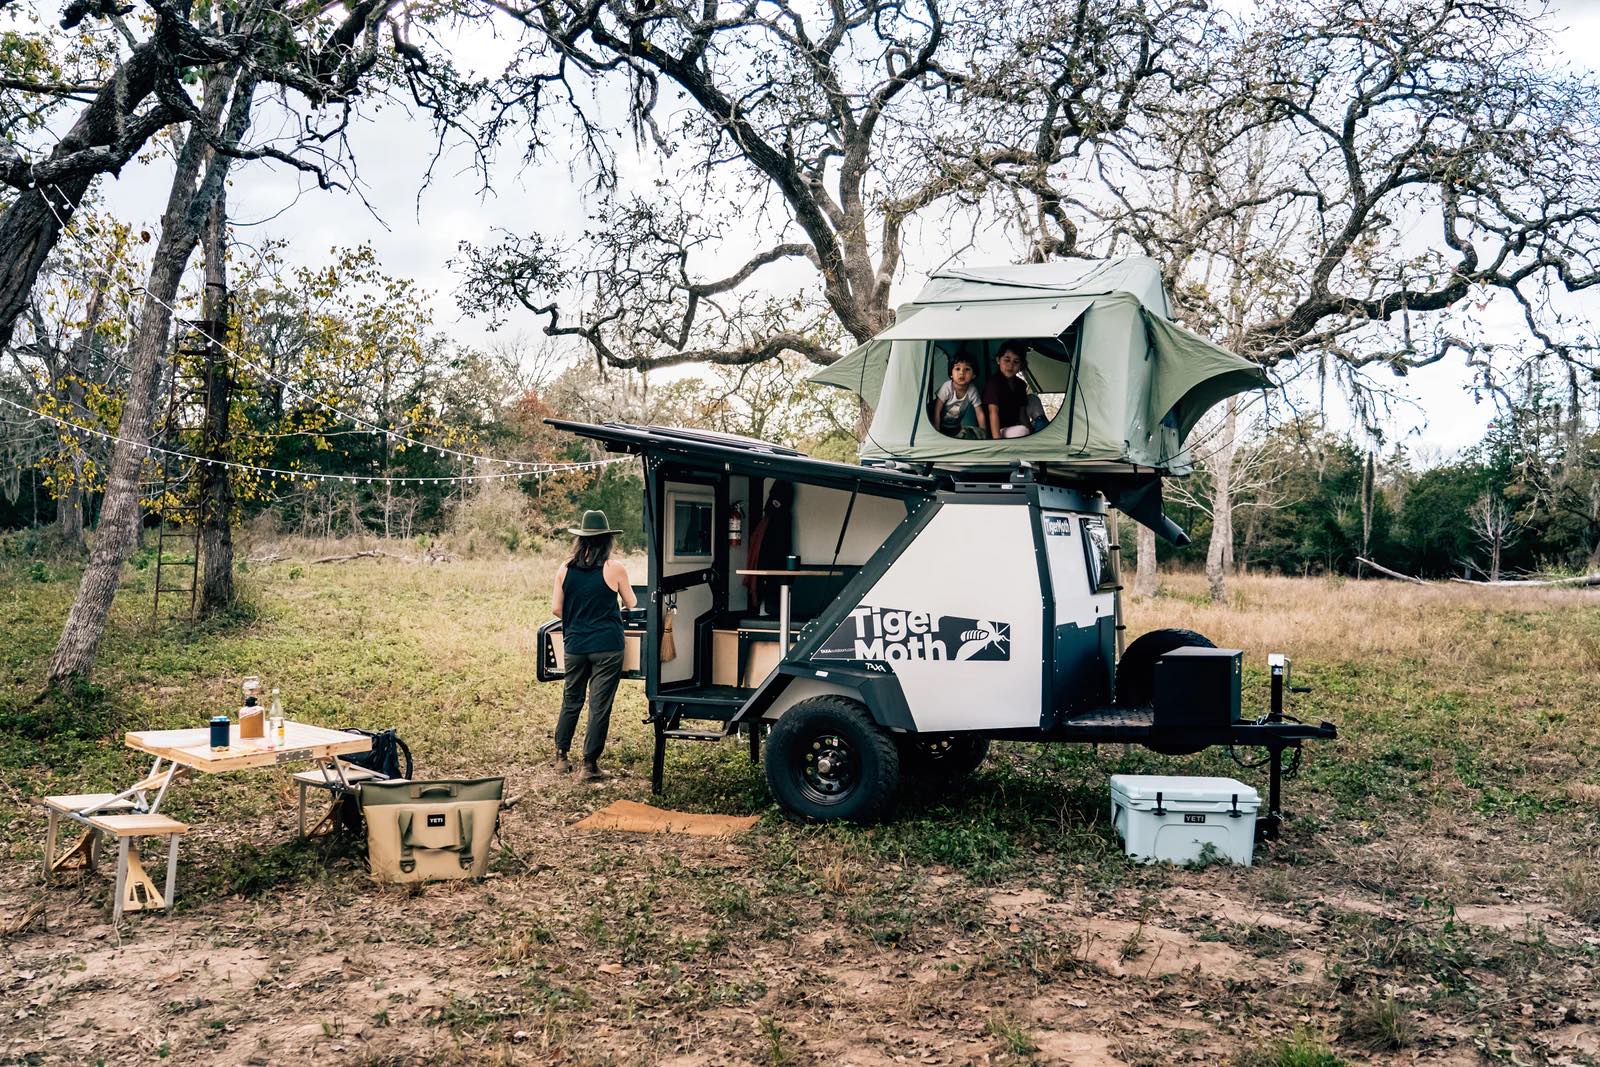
{"type": "Point", "coordinates": [1525, 498]}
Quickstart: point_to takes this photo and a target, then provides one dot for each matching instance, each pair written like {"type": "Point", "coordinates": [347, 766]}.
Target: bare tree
{"type": "Point", "coordinates": [1144, 574]}
{"type": "Point", "coordinates": [197, 180]}
{"type": "Point", "coordinates": [322, 57]}
{"type": "Point", "coordinates": [1347, 177]}
{"type": "Point", "coordinates": [1496, 525]}
{"type": "Point", "coordinates": [215, 488]}
{"type": "Point", "coordinates": [816, 135]}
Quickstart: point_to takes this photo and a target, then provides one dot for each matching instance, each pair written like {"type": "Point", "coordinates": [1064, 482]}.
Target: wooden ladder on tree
{"type": "Point", "coordinates": [179, 506]}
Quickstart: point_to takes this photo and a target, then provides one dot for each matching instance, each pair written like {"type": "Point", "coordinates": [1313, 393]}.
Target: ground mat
{"type": "Point", "coordinates": [643, 819]}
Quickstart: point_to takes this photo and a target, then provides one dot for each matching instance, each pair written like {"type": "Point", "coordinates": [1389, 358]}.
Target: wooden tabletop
{"type": "Point", "coordinates": [785, 573]}
{"type": "Point", "coordinates": [192, 748]}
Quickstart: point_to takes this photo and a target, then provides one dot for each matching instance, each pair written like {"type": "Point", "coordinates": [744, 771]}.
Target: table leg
{"type": "Point", "coordinates": [122, 879]}
{"type": "Point", "coordinates": [173, 770]}
{"type": "Point", "coordinates": [172, 868]}
{"type": "Point", "coordinates": [338, 769]}
{"type": "Point", "coordinates": [136, 792]}
{"type": "Point", "coordinates": [50, 841]}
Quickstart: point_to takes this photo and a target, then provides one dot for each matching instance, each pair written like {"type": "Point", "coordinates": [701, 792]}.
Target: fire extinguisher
{"type": "Point", "coordinates": [736, 525]}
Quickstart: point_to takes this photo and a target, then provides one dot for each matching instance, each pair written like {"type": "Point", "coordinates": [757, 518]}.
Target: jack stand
{"type": "Point", "coordinates": [1268, 828]}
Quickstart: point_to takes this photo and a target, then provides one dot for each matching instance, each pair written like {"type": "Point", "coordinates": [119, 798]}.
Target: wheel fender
{"type": "Point", "coordinates": [878, 690]}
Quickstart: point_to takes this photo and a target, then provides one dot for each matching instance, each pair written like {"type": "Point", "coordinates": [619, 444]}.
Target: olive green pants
{"type": "Point", "coordinates": [598, 672]}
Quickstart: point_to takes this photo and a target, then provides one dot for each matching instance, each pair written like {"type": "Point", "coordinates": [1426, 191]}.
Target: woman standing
{"type": "Point", "coordinates": [585, 600]}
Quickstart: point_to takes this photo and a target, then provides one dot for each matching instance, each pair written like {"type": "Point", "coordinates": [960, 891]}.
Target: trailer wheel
{"type": "Point", "coordinates": [828, 761]}
{"type": "Point", "coordinates": [942, 756]}
{"type": "Point", "coordinates": [1136, 670]}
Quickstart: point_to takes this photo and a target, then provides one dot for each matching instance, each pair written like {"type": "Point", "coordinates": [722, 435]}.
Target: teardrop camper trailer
{"type": "Point", "coordinates": [894, 617]}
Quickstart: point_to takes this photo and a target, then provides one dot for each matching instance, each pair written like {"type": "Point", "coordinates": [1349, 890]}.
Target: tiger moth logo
{"type": "Point", "coordinates": [893, 634]}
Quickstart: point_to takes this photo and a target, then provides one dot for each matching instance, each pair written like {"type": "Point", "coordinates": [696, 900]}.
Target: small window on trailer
{"type": "Point", "coordinates": [1097, 552]}
{"type": "Point", "coordinates": [689, 511]}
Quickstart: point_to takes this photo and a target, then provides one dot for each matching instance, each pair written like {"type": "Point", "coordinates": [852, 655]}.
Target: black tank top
{"type": "Point", "coordinates": [590, 618]}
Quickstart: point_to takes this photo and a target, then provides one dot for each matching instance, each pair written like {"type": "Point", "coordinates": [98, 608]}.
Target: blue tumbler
{"type": "Point", "coordinates": [219, 731]}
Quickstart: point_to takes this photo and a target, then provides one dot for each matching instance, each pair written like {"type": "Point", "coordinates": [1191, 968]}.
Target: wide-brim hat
{"type": "Point", "coordinates": [594, 524]}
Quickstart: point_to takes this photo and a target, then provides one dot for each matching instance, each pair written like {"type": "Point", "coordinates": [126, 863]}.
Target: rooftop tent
{"type": "Point", "coordinates": [1131, 384]}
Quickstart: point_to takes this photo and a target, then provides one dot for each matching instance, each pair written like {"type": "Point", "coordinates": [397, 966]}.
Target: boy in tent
{"type": "Point", "coordinates": [957, 410]}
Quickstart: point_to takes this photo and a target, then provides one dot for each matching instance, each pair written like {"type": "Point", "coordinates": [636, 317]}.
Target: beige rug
{"type": "Point", "coordinates": [643, 819]}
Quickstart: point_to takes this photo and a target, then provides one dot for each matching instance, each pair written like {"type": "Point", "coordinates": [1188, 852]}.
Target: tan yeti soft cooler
{"type": "Point", "coordinates": [427, 831]}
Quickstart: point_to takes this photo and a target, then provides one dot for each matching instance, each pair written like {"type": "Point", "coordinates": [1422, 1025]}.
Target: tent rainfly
{"type": "Point", "coordinates": [1122, 384]}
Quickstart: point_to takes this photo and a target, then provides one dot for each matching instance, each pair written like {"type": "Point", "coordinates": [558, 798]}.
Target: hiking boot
{"type": "Point", "coordinates": [563, 764]}
{"type": "Point", "coordinates": [591, 772]}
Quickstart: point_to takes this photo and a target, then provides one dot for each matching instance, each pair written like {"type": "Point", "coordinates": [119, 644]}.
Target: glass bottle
{"type": "Point", "coordinates": [275, 717]}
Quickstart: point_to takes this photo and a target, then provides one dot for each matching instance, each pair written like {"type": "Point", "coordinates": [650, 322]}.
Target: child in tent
{"type": "Point", "coordinates": [957, 410]}
{"type": "Point", "coordinates": [1006, 396]}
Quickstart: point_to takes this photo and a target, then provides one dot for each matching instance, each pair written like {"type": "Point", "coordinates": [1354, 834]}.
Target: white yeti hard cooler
{"type": "Point", "coordinates": [1172, 818]}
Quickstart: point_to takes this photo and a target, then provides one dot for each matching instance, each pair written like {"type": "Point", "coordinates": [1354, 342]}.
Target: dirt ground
{"type": "Point", "coordinates": [615, 948]}
{"type": "Point", "coordinates": [1403, 918]}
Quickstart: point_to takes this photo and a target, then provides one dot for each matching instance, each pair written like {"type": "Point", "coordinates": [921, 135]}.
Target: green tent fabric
{"type": "Point", "coordinates": [1127, 384]}
{"type": "Point", "coordinates": [1192, 374]}
{"type": "Point", "coordinates": [989, 320]}
{"type": "Point", "coordinates": [860, 371]}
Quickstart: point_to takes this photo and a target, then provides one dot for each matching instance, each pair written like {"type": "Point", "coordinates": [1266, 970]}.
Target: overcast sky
{"type": "Point", "coordinates": [416, 237]}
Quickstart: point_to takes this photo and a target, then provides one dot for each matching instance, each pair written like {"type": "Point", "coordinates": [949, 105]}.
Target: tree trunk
{"type": "Point", "coordinates": [70, 500]}
{"type": "Point", "coordinates": [216, 489]}
{"type": "Point", "coordinates": [1367, 479]}
{"type": "Point", "coordinates": [1144, 574]}
{"type": "Point", "coordinates": [1219, 554]}
{"type": "Point", "coordinates": [187, 205]}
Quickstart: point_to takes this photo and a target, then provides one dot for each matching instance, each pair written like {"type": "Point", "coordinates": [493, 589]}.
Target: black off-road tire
{"type": "Point", "coordinates": [1136, 670]}
{"type": "Point", "coordinates": [828, 761]}
{"type": "Point", "coordinates": [944, 757]}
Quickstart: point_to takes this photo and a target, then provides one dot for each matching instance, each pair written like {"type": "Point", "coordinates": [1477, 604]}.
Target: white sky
{"type": "Point", "coordinates": [1435, 413]}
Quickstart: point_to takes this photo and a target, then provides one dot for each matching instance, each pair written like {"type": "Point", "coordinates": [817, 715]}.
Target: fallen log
{"type": "Point", "coordinates": [354, 555]}
{"type": "Point", "coordinates": [1580, 580]}
{"type": "Point", "coordinates": [1381, 569]}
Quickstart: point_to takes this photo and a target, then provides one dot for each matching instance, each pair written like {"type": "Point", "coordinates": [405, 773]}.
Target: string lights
{"type": "Point", "coordinates": [528, 470]}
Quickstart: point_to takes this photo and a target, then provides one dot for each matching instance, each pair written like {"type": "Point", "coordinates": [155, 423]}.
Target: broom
{"type": "Point", "coordinates": [669, 647]}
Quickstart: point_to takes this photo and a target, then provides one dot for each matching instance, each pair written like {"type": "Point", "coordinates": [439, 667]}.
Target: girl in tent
{"type": "Point", "coordinates": [1013, 411]}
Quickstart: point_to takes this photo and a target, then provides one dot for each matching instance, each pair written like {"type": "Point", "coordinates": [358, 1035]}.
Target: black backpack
{"type": "Point", "coordinates": [389, 756]}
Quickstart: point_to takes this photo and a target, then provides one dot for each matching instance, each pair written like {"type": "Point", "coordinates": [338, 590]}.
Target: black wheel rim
{"type": "Point", "coordinates": [829, 769]}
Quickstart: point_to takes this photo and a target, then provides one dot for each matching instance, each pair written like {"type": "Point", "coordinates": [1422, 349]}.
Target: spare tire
{"type": "Point", "coordinates": [1136, 670]}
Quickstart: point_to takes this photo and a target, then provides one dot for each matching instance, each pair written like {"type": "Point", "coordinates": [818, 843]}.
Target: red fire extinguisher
{"type": "Point", "coordinates": [736, 525]}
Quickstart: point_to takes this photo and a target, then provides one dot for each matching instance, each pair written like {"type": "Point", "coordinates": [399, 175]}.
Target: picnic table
{"type": "Point", "coordinates": [182, 750]}
{"type": "Point", "coordinates": [134, 812]}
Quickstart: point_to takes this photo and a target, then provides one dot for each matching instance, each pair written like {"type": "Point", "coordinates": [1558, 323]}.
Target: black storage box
{"type": "Point", "coordinates": [1197, 691]}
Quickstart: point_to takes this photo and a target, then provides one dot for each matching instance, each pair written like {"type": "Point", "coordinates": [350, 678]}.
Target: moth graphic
{"type": "Point", "coordinates": [984, 637]}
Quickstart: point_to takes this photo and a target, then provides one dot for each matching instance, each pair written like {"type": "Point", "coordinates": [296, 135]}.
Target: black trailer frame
{"type": "Point", "coordinates": [713, 459]}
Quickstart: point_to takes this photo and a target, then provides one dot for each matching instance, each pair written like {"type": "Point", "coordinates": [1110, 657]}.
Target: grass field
{"type": "Point", "coordinates": [1435, 897]}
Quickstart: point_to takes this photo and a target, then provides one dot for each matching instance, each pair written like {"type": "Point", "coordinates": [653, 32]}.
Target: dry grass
{"type": "Point", "coordinates": [1334, 619]}
{"type": "Point", "coordinates": [1579, 890]}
